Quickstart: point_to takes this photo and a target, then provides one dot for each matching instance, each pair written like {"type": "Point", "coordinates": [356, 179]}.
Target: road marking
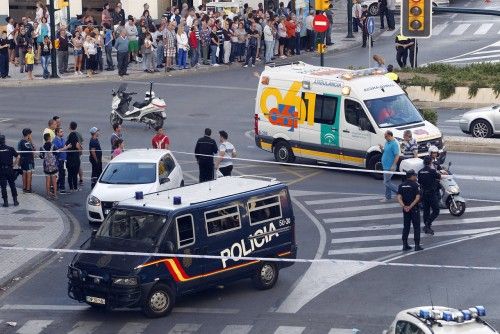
{"type": "Point", "coordinates": [85, 327]}
{"type": "Point", "coordinates": [452, 121]}
{"type": "Point", "coordinates": [341, 331]}
{"type": "Point", "coordinates": [398, 236]}
{"type": "Point", "coordinates": [484, 52]}
{"type": "Point", "coordinates": [196, 86]}
{"type": "Point", "coordinates": [34, 326]}
{"type": "Point", "coordinates": [342, 200]}
{"type": "Point", "coordinates": [483, 29]}
{"type": "Point", "coordinates": [133, 328]}
{"type": "Point", "coordinates": [460, 29]}
{"type": "Point", "coordinates": [4, 120]}
{"type": "Point", "coordinates": [358, 208]}
{"type": "Point", "coordinates": [400, 215]}
{"type": "Point", "coordinates": [185, 328]}
{"type": "Point", "coordinates": [470, 58]}
{"type": "Point", "coordinates": [439, 29]}
{"type": "Point", "coordinates": [289, 330]}
{"type": "Point", "coordinates": [205, 310]}
{"type": "Point", "coordinates": [399, 226]}
{"type": "Point", "coordinates": [362, 250]}
{"type": "Point", "coordinates": [477, 178]}
{"type": "Point", "coordinates": [236, 329]}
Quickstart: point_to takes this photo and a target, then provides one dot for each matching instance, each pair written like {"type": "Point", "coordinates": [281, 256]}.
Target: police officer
{"type": "Point", "coordinates": [7, 155]}
{"type": "Point", "coordinates": [391, 75]}
{"type": "Point", "coordinates": [429, 177]}
{"type": "Point", "coordinates": [205, 148]}
{"type": "Point", "coordinates": [402, 49]}
{"type": "Point", "coordinates": [408, 198]}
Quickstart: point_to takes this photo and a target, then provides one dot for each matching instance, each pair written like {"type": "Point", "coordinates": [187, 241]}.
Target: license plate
{"type": "Point", "coordinates": [106, 212]}
{"type": "Point", "coordinates": [95, 300]}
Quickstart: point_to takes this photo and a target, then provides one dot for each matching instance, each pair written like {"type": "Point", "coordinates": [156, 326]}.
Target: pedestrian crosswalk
{"type": "Point", "coordinates": [456, 28]}
{"type": "Point", "coordinates": [54, 326]}
{"type": "Point", "coordinates": [363, 228]}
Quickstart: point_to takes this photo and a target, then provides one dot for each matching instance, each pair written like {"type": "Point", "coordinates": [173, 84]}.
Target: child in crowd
{"type": "Point", "coordinates": [117, 148]}
{"type": "Point", "coordinates": [30, 60]}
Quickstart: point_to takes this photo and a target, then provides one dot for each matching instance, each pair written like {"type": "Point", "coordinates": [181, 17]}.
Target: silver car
{"type": "Point", "coordinates": [481, 122]}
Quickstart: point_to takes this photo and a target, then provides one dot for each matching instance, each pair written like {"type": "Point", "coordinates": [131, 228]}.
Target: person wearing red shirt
{"type": "Point", "coordinates": [193, 44]}
{"type": "Point", "coordinates": [290, 34]}
{"type": "Point", "coordinates": [160, 140]}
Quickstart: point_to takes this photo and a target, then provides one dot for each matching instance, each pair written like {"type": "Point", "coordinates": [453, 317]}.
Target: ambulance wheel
{"type": "Point", "coordinates": [266, 276]}
{"type": "Point", "coordinates": [375, 163]}
{"type": "Point", "coordinates": [283, 152]}
{"type": "Point", "coordinates": [159, 302]}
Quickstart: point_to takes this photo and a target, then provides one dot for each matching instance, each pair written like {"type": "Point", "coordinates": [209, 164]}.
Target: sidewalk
{"type": "Point", "coordinates": [36, 222]}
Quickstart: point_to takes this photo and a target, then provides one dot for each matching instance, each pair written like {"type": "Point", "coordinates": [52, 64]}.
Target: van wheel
{"type": "Point", "coordinates": [375, 163]}
{"type": "Point", "coordinates": [283, 152]}
{"type": "Point", "coordinates": [159, 302]}
{"type": "Point", "coordinates": [266, 276]}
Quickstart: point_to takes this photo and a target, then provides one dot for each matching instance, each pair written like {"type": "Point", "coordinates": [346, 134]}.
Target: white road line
{"type": "Point", "coordinates": [342, 200]}
{"type": "Point", "coordinates": [484, 52]}
{"type": "Point", "coordinates": [477, 178]}
{"type": "Point", "coordinates": [133, 328]}
{"type": "Point", "coordinates": [389, 33]}
{"type": "Point", "coordinates": [85, 327]}
{"type": "Point", "coordinates": [439, 29]}
{"type": "Point", "coordinates": [4, 120]}
{"type": "Point", "coordinates": [205, 310]}
{"type": "Point", "coordinates": [236, 329]}
{"type": "Point", "coordinates": [34, 326]}
{"type": "Point", "coordinates": [483, 29]}
{"type": "Point", "coordinates": [362, 250]}
{"type": "Point", "coordinates": [340, 331]}
{"type": "Point", "coordinates": [400, 226]}
{"type": "Point", "coordinates": [470, 58]}
{"type": "Point", "coordinates": [452, 121]}
{"type": "Point", "coordinates": [399, 215]}
{"type": "Point", "coordinates": [289, 330]}
{"type": "Point", "coordinates": [460, 29]}
{"type": "Point", "coordinates": [358, 208]}
{"type": "Point", "coordinates": [184, 328]}
{"type": "Point", "coordinates": [398, 236]}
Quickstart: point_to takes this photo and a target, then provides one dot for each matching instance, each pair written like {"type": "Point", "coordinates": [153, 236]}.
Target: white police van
{"type": "Point", "coordinates": [335, 115]}
{"type": "Point", "coordinates": [441, 320]}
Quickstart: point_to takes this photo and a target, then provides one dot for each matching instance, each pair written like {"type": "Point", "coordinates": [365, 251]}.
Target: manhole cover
{"type": "Point", "coordinates": [200, 115]}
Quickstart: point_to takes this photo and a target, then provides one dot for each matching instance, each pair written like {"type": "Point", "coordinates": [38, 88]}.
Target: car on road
{"type": "Point", "coordinates": [441, 320]}
{"type": "Point", "coordinates": [233, 225]}
{"type": "Point", "coordinates": [481, 122]}
{"type": "Point", "coordinates": [146, 170]}
{"type": "Point", "coordinates": [373, 5]}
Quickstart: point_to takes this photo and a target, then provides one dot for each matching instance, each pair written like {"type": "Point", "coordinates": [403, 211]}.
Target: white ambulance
{"type": "Point", "coordinates": [335, 115]}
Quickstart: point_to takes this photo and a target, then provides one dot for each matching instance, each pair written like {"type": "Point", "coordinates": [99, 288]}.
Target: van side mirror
{"type": "Point", "coordinates": [164, 180]}
{"type": "Point", "coordinates": [364, 124]}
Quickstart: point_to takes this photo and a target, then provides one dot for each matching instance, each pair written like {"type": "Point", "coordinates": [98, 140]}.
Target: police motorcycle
{"type": "Point", "coordinates": [449, 190]}
{"type": "Point", "coordinates": [151, 111]}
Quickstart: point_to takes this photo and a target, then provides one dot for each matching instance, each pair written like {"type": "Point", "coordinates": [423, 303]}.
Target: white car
{"type": "Point", "coordinates": [441, 320]}
{"type": "Point", "coordinates": [481, 122]}
{"type": "Point", "coordinates": [130, 172]}
{"type": "Point", "coordinates": [373, 5]}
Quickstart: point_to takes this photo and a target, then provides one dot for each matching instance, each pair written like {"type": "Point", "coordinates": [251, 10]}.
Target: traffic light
{"type": "Point", "coordinates": [62, 4]}
{"type": "Point", "coordinates": [321, 48]}
{"type": "Point", "coordinates": [321, 5]}
{"type": "Point", "coordinates": [416, 18]}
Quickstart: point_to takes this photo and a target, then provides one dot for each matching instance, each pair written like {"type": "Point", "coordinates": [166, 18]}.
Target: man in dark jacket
{"type": "Point", "coordinates": [205, 148]}
{"type": "Point", "coordinates": [7, 156]}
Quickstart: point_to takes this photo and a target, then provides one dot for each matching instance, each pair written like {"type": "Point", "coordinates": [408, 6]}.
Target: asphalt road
{"type": "Point", "coordinates": [307, 299]}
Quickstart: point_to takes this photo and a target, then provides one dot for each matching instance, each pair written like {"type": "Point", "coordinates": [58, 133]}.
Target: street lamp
{"type": "Point", "coordinates": [53, 57]}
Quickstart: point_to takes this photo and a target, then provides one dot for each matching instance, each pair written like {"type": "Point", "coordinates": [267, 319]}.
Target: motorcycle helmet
{"type": "Point", "coordinates": [152, 96]}
{"type": "Point", "coordinates": [433, 149]}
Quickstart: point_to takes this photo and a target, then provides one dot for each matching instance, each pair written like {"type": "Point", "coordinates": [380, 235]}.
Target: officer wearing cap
{"type": "Point", "coordinates": [7, 155]}
{"type": "Point", "coordinates": [408, 198]}
{"type": "Point", "coordinates": [429, 177]}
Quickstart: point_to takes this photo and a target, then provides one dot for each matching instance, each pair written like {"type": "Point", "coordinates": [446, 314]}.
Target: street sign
{"type": "Point", "coordinates": [370, 25]}
{"type": "Point", "coordinates": [320, 23]}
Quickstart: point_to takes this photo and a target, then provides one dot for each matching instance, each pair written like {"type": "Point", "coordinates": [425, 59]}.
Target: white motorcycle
{"type": "Point", "coordinates": [151, 111]}
{"type": "Point", "coordinates": [449, 190]}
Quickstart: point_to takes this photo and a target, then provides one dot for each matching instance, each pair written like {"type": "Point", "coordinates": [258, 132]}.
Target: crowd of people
{"type": "Point", "coordinates": [61, 157]}
{"type": "Point", "coordinates": [183, 37]}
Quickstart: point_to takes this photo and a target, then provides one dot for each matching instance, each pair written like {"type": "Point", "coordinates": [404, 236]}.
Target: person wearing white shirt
{"type": "Point", "coordinates": [226, 154]}
{"type": "Point", "coordinates": [269, 40]}
{"type": "Point", "coordinates": [310, 31]}
{"type": "Point", "coordinates": [182, 47]}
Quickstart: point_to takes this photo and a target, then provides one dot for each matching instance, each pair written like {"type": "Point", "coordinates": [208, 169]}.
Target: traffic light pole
{"type": "Point", "coordinates": [349, 19]}
{"type": "Point", "coordinates": [53, 56]}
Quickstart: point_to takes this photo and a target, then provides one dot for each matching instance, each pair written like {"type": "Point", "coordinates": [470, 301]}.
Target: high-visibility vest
{"type": "Point", "coordinates": [393, 76]}
{"type": "Point", "coordinates": [402, 38]}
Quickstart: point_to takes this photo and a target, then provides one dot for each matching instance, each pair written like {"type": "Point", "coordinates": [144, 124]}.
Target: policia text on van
{"type": "Point", "coordinates": [231, 217]}
{"type": "Point", "coordinates": [335, 115]}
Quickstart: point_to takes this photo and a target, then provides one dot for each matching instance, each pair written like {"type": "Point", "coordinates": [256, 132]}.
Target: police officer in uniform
{"type": "Point", "coordinates": [7, 155]}
{"type": "Point", "coordinates": [391, 75]}
{"type": "Point", "coordinates": [408, 198]}
{"type": "Point", "coordinates": [429, 177]}
{"type": "Point", "coordinates": [402, 49]}
{"type": "Point", "coordinates": [205, 148]}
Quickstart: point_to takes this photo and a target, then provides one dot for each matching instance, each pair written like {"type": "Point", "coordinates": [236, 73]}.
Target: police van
{"type": "Point", "coordinates": [230, 218]}
{"type": "Point", "coordinates": [335, 115]}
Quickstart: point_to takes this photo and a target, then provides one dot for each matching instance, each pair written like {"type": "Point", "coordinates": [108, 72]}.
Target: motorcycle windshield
{"type": "Point", "coordinates": [122, 88]}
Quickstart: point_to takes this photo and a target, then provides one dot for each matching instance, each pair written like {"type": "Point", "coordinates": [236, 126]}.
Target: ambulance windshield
{"type": "Point", "coordinates": [393, 111]}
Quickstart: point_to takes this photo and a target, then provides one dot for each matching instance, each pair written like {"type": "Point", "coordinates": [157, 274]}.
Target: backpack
{"type": "Point", "coordinates": [49, 162]}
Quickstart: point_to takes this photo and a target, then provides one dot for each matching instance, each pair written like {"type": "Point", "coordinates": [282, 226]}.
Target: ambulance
{"type": "Point", "coordinates": [335, 115]}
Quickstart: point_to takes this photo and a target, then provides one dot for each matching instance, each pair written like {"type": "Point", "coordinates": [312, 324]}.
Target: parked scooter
{"type": "Point", "coordinates": [151, 111]}
{"type": "Point", "coordinates": [449, 190]}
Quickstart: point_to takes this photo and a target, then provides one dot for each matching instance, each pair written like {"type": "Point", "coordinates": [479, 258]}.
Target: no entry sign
{"type": "Point", "coordinates": [320, 23]}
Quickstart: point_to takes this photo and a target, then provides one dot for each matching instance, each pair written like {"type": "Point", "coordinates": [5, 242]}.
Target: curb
{"type": "Point", "coordinates": [472, 145]}
{"type": "Point", "coordinates": [67, 238]}
{"type": "Point", "coordinates": [485, 96]}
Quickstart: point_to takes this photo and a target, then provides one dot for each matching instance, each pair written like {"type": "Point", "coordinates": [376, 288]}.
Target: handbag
{"type": "Point", "coordinates": [217, 51]}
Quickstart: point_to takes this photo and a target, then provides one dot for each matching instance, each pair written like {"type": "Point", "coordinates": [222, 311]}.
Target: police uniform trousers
{"type": "Point", "coordinates": [206, 171]}
{"type": "Point", "coordinates": [401, 56]}
{"type": "Point", "coordinates": [411, 218]}
{"type": "Point", "coordinates": [430, 201]}
{"type": "Point", "coordinates": [7, 176]}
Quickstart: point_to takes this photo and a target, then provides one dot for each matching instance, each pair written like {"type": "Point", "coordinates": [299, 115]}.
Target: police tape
{"type": "Point", "coordinates": [167, 256]}
{"type": "Point", "coordinates": [345, 169]}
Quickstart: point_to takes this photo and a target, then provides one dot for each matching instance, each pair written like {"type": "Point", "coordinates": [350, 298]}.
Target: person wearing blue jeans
{"type": "Point", "coordinates": [390, 158]}
{"type": "Point", "coordinates": [214, 44]}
